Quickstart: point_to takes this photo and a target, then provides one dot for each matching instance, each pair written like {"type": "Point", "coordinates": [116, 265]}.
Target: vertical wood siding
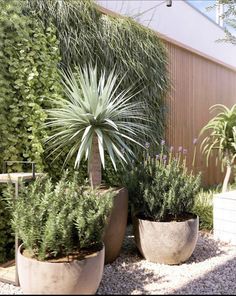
{"type": "Point", "coordinates": [197, 83]}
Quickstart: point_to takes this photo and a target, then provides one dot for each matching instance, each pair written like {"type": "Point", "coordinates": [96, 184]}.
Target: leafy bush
{"type": "Point", "coordinates": [29, 57]}
{"type": "Point", "coordinates": [162, 187]}
{"type": "Point", "coordinates": [59, 219]}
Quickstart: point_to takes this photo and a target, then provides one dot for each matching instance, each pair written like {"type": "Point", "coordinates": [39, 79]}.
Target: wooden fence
{"type": "Point", "coordinates": [198, 81]}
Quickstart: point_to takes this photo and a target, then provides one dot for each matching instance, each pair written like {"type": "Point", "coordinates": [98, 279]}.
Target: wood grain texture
{"type": "Point", "coordinates": [197, 83]}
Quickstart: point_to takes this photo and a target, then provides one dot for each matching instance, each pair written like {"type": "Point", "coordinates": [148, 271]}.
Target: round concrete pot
{"type": "Point", "coordinates": [75, 277]}
{"type": "Point", "coordinates": [115, 230]}
{"type": "Point", "coordinates": [166, 242]}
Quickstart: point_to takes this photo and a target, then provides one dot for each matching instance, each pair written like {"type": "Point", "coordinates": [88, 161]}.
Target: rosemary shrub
{"type": "Point", "coordinates": [57, 220]}
{"type": "Point", "coordinates": [161, 188]}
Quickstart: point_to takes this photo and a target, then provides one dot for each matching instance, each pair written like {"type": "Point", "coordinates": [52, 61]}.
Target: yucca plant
{"type": "Point", "coordinates": [222, 138]}
{"type": "Point", "coordinates": [94, 118]}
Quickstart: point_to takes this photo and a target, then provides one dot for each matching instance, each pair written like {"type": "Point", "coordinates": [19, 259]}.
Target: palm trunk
{"type": "Point", "coordinates": [226, 179]}
{"type": "Point", "coordinates": [94, 166]}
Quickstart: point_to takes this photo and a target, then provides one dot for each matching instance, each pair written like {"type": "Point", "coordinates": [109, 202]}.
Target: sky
{"type": "Point", "coordinates": [202, 5]}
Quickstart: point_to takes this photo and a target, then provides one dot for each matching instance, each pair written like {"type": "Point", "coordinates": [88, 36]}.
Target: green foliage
{"type": "Point", "coordinates": [221, 136]}
{"type": "Point", "coordinates": [203, 207]}
{"type": "Point", "coordinates": [229, 18]}
{"type": "Point", "coordinates": [86, 34]}
{"type": "Point", "coordinates": [29, 56]}
{"type": "Point", "coordinates": [59, 219]}
{"type": "Point", "coordinates": [7, 238]}
{"type": "Point", "coordinates": [94, 109]}
{"type": "Point", "coordinates": [162, 188]}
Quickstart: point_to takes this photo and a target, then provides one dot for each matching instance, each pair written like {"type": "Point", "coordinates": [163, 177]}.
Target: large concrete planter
{"type": "Point", "coordinates": [75, 277]}
{"type": "Point", "coordinates": [224, 216]}
{"type": "Point", "coordinates": [166, 242]}
{"type": "Point", "coordinates": [115, 230]}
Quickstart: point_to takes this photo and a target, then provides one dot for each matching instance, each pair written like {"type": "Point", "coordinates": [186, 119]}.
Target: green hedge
{"type": "Point", "coordinates": [85, 34]}
{"type": "Point", "coordinates": [29, 56]}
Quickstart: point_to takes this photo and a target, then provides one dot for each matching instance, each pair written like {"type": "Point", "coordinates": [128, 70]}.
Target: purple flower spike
{"type": "Point", "coordinates": [185, 151]}
{"type": "Point", "coordinates": [171, 148]}
{"type": "Point", "coordinates": [147, 145]}
{"type": "Point", "coordinates": [194, 141]}
{"type": "Point", "coordinates": [163, 142]}
{"type": "Point", "coordinates": [164, 157]}
{"type": "Point", "coordinates": [157, 156]}
{"type": "Point", "coordinates": [180, 148]}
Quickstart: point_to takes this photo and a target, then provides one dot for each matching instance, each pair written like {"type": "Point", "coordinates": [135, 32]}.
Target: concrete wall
{"type": "Point", "coordinates": [180, 22]}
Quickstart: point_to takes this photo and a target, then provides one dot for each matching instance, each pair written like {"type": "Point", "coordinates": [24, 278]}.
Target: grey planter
{"type": "Point", "coordinates": [114, 232]}
{"type": "Point", "coordinates": [166, 242]}
{"type": "Point", "coordinates": [76, 277]}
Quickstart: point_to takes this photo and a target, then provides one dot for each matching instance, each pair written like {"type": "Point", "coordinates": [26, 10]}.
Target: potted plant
{"type": "Point", "coordinates": [221, 138]}
{"type": "Point", "coordinates": [61, 227]}
{"type": "Point", "coordinates": [165, 228]}
{"type": "Point", "coordinates": [93, 119]}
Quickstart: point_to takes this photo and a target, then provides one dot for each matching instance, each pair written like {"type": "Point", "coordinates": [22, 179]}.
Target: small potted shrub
{"type": "Point", "coordinates": [61, 227]}
{"type": "Point", "coordinates": [97, 118]}
{"type": "Point", "coordinates": [220, 141]}
{"type": "Point", "coordinates": [165, 228]}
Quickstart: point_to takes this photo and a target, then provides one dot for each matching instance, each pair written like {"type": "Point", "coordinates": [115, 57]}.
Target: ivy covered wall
{"type": "Point", "coordinates": [29, 57]}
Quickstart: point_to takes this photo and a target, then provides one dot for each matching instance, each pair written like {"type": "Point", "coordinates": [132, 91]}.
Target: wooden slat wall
{"type": "Point", "coordinates": [197, 84]}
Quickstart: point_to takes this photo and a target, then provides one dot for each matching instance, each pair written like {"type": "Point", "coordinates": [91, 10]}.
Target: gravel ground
{"type": "Point", "coordinates": [210, 270]}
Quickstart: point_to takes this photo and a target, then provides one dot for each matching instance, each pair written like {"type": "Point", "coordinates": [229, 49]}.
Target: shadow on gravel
{"type": "Point", "coordinates": [220, 280]}
{"type": "Point", "coordinates": [122, 278]}
{"type": "Point", "coordinates": [206, 248]}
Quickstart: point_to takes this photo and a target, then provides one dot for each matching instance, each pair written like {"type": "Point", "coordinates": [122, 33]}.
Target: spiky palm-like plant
{"type": "Point", "coordinates": [95, 118]}
{"type": "Point", "coordinates": [222, 138]}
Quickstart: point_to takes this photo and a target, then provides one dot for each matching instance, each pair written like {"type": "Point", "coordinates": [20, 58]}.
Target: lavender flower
{"type": "Point", "coordinates": [194, 141]}
{"type": "Point", "coordinates": [180, 148]}
{"type": "Point", "coordinates": [147, 145]}
{"type": "Point", "coordinates": [171, 148]}
{"type": "Point", "coordinates": [162, 142]}
{"type": "Point", "coordinates": [164, 157]}
{"type": "Point", "coordinates": [157, 156]}
{"type": "Point", "coordinates": [185, 151]}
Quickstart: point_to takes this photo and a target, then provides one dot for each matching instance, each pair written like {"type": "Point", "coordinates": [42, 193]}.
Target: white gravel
{"type": "Point", "coordinates": [210, 270]}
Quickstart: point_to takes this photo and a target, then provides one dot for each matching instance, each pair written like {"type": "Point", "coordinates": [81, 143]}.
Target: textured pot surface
{"type": "Point", "coordinates": [115, 230]}
{"type": "Point", "coordinates": [75, 277]}
{"type": "Point", "coordinates": [166, 242]}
